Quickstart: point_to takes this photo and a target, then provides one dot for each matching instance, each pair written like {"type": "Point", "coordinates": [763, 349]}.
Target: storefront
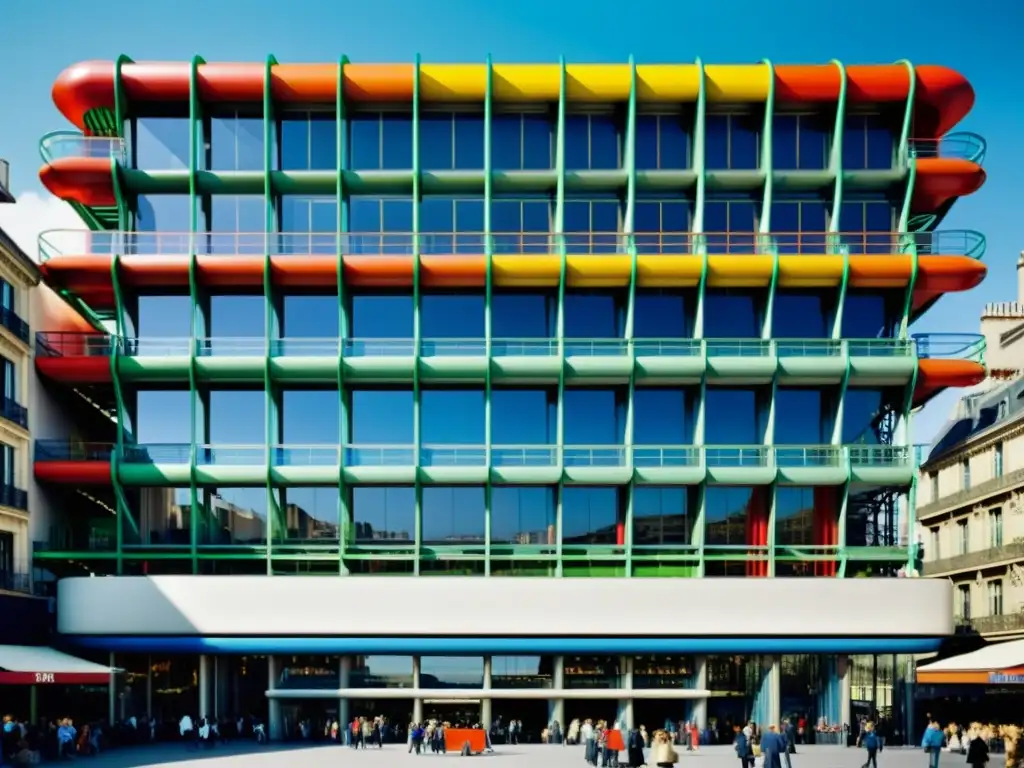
{"type": "Point", "coordinates": [41, 682]}
{"type": "Point", "coordinates": [982, 685]}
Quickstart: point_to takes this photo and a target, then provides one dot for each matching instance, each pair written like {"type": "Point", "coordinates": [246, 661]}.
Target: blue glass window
{"type": "Point", "coordinates": [800, 142]}
{"type": "Point", "coordinates": [236, 143]}
{"type": "Point", "coordinates": [516, 315]}
{"type": "Point", "coordinates": [522, 142]}
{"type": "Point", "coordinates": [800, 226]}
{"type": "Point", "coordinates": [160, 213]}
{"type": "Point", "coordinates": [589, 515]}
{"type": "Point", "coordinates": [594, 417]}
{"type": "Point", "coordinates": [382, 317]}
{"type": "Point", "coordinates": [734, 417]}
{"type": "Point", "coordinates": [867, 315]}
{"type": "Point", "coordinates": [663, 416]}
{"type": "Point", "coordinates": [380, 141]}
{"type": "Point", "coordinates": [379, 225]}
{"type": "Point", "coordinates": [451, 316]}
{"type": "Point", "coordinates": [663, 314]}
{"type": "Point", "coordinates": [450, 141]}
{"type": "Point", "coordinates": [663, 226]}
{"type": "Point", "coordinates": [462, 217]}
{"type": "Point", "coordinates": [593, 315]}
{"type": "Point", "coordinates": [521, 226]}
{"type": "Point", "coordinates": [592, 226]}
{"type": "Point", "coordinates": [523, 417]}
{"type": "Point", "coordinates": [452, 416]}
{"type": "Point", "coordinates": [592, 142]}
{"type": "Point", "coordinates": [732, 314]}
{"type": "Point", "coordinates": [382, 417]}
{"type": "Point", "coordinates": [662, 142]}
{"type": "Point", "coordinates": [802, 417]}
{"type": "Point", "coordinates": [307, 225]}
{"type": "Point", "coordinates": [800, 314]}
{"type": "Point", "coordinates": [161, 143]}
{"type": "Point", "coordinates": [730, 226]}
{"type": "Point", "coordinates": [237, 225]}
{"type": "Point", "coordinates": [308, 141]}
{"type": "Point", "coordinates": [868, 142]}
{"type": "Point", "coordinates": [518, 514]}
{"type": "Point", "coordinates": [732, 142]}
{"type": "Point", "coordinates": [868, 226]}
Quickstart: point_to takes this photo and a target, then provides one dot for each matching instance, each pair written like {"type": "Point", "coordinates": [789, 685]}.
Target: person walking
{"type": "Point", "coordinates": [931, 743]}
{"type": "Point", "coordinates": [872, 742]}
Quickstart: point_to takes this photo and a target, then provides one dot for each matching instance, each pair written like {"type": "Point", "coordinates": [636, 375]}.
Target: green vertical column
{"type": "Point", "coordinates": [765, 241]}
{"type": "Point", "coordinates": [125, 415]}
{"type": "Point", "coordinates": [835, 245]}
{"type": "Point", "coordinates": [199, 316]}
{"type": "Point", "coordinates": [908, 246]}
{"type": "Point", "coordinates": [629, 162]}
{"type": "Point", "coordinates": [121, 98]}
{"type": "Point", "coordinates": [341, 159]}
{"type": "Point", "coordinates": [417, 395]}
{"type": "Point", "coordinates": [488, 311]}
{"type": "Point", "coordinates": [559, 239]}
{"type": "Point", "coordinates": [701, 250]}
{"type": "Point", "coordinates": [273, 311]}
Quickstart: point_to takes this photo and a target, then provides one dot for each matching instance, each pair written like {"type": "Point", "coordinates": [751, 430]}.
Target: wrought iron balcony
{"type": "Point", "coordinates": [12, 410]}
{"type": "Point", "coordinates": [13, 497]}
{"type": "Point", "coordinates": [970, 495]}
{"type": "Point", "coordinates": [974, 560]}
{"type": "Point", "coordinates": [13, 322]}
{"type": "Point", "coordinates": [986, 625]}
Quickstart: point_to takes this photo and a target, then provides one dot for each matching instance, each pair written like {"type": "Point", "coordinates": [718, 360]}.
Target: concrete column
{"type": "Point", "coordinates": [205, 710]}
{"type": "Point", "coordinates": [844, 666]}
{"type": "Point", "coordinates": [775, 691]}
{"type": "Point", "coordinates": [556, 705]}
{"type": "Point", "coordinates": [275, 726]}
{"type": "Point", "coordinates": [700, 682]}
{"type": "Point", "coordinates": [625, 713]}
{"type": "Point", "coordinates": [222, 688]}
{"type": "Point", "coordinates": [417, 704]}
{"type": "Point", "coordinates": [112, 690]}
{"type": "Point", "coordinates": [149, 687]}
{"type": "Point", "coordinates": [485, 702]}
{"type": "Point", "coordinates": [345, 681]}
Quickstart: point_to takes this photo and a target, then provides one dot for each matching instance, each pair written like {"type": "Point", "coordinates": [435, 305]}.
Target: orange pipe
{"type": "Point", "coordinates": [935, 375]}
{"type": "Point", "coordinates": [940, 179]}
{"type": "Point", "coordinates": [85, 180]}
{"type": "Point", "coordinates": [942, 95]}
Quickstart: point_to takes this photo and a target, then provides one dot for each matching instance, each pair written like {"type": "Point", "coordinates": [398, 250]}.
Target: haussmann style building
{"type": "Point", "coordinates": [480, 390]}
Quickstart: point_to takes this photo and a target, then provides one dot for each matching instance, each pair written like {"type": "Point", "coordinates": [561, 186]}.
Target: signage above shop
{"type": "Point", "coordinates": [53, 678]}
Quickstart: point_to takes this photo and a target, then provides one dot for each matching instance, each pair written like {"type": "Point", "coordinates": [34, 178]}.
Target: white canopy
{"type": "Point", "coordinates": [33, 658]}
{"type": "Point", "coordinates": [991, 657]}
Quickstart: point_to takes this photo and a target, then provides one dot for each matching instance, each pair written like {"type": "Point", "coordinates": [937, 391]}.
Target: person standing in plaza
{"type": "Point", "coordinates": [872, 742]}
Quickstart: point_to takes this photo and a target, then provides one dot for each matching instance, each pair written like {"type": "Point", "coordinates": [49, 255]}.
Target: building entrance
{"type": "Point", "coordinates": [397, 714]}
{"type": "Point", "coordinates": [461, 714]}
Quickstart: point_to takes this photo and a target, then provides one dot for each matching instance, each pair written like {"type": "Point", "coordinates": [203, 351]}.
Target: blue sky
{"type": "Point", "coordinates": [976, 39]}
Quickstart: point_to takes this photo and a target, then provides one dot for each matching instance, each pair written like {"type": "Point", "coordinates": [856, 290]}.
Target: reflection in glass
{"type": "Point", "coordinates": [160, 213]}
{"type": "Point", "coordinates": [663, 226]}
{"type": "Point", "coordinates": [309, 418]}
{"type": "Point", "coordinates": [732, 142]}
{"type": "Point", "coordinates": [308, 225]}
{"type": "Point", "coordinates": [523, 515]}
{"type": "Point", "coordinates": [161, 144]}
{"type": "Point", "coordinates": [308, 141]}
{"type": "Point", "coordinates": [663, 672]}
{"type": "Point", "coordinates": [523, 315]}
{"type": "Point", "coordinates": [726, 514]}
{"type": "Point", "coordinates": [311, 516]}
{"type": "Point", "coordinates": [237, 226]}
{"type": "Point", "coordinates": [380, 141]}
{"type": "Point", "coordinates": [663, 516]}
{"type": "Point", "coordinates": [590, 515]}
{"type": "Point", "coordinates": [522, 142]}
{"type": "Point", "coordinates": [523, 417]}
{"type": "Point", "coordinates": [236, 143]}
{"type": "Point", "coordinates": [734, 417]}
{"type": "Point", "coordinates": [868, 142]}
{"type": "Point", "coordinates": [868, 315]}
{"type": "Point", "coordinates": [592, 672]}
{"type": "Point", "coordinates": [794, 516]}
{"type": "Point", "coordinates": [521, 671]}
{"type": "Point", "coordinates": [800, 142]}
{"type": "Point", "coordinates": [382, 672]}
{"type": "Point", "coordinates": [235, 516]}
{"type": "Point", "coordinates": [163, 514]}
{"type": "Point", "coordinates": [309, 672]}
{"type": "Point", "coordinates": [451, 671]}
{"type": "Point", "coordinates": [663, 314]}
{"type": "Point", "coordinates": [594, 417]}
{"type": "Point", "coordinates": [383, 514]}
{"type": "Point", "coordinates": [309, 317]}
{"type": "Point", "coordinates": [452, 417]}
{"type": "Point", "coordinates": [385, 316]}
{"type": "Point", "coordinates": [664, 416]}
{"type": "Point", "coordinates": [453, 515]}
{"type": "Point", "coordinates": [732, 313]}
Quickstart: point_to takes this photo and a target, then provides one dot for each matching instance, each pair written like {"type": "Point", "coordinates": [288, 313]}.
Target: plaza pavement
{"type": "Point", "coordinates": [248, 755]}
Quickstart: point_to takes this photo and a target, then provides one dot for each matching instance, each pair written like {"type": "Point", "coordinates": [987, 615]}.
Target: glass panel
{"type": "Point", "coordinates": [604, 142]}
{"type": "Point", "coordinates": [383, 515]}
{"type": "Point", "coordinates": [436, 146]}
{"type": "Point", "coordinates": [364, 141]}
{"type": "Point", "coordinates": [396, 142]}
{"type": "Point", "coordinates": [469, 142]}
{"type": "Point", "coordinates": [506, 145]}
{"type": "Point", "coordinates": [538, 138]}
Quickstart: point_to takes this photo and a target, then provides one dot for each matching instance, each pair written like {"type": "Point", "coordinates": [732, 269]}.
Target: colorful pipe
{"type": "Point", "coordinates": [89, 276]}
{"type": "Point", "coordinates": [942, 96]}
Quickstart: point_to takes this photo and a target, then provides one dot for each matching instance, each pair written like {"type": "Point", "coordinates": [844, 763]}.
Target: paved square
{"type": "Point", "coordinates": [526, 756]}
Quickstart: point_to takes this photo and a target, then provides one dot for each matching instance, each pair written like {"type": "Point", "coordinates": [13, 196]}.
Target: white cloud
{"type": "Point", "coordinates": [33, 214]}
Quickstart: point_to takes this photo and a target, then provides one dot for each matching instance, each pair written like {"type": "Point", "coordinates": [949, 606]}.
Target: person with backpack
{"type": "Point", "coordinates": [870, 740]}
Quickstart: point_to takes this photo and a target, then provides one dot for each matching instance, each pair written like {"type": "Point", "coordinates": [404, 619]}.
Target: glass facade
{"type": "Point", "coordinates": [561, 339]}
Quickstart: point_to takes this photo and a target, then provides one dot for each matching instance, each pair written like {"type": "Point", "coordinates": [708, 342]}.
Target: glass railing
{"type": "Point", "coordinates": [14, 323]}
{"type": "Point", "coordinates": [450, 455]}
{"type": "Point", "coordinates": [55, 243]}
{"type": "Point", "coordinates": [951, 346]}
{"type": "Point", "coordinates": [12, 410]}
{"type": "Point", "coordinates": [951, 242]}
{"type": "Point", "coordinates": [66, 344]}
{"type": "Point", "coordinates": [72, 450]}
{"type": "Point", "coordinates": [63, 144]}
{"type": "Point", "coordinates": [961, 145]}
